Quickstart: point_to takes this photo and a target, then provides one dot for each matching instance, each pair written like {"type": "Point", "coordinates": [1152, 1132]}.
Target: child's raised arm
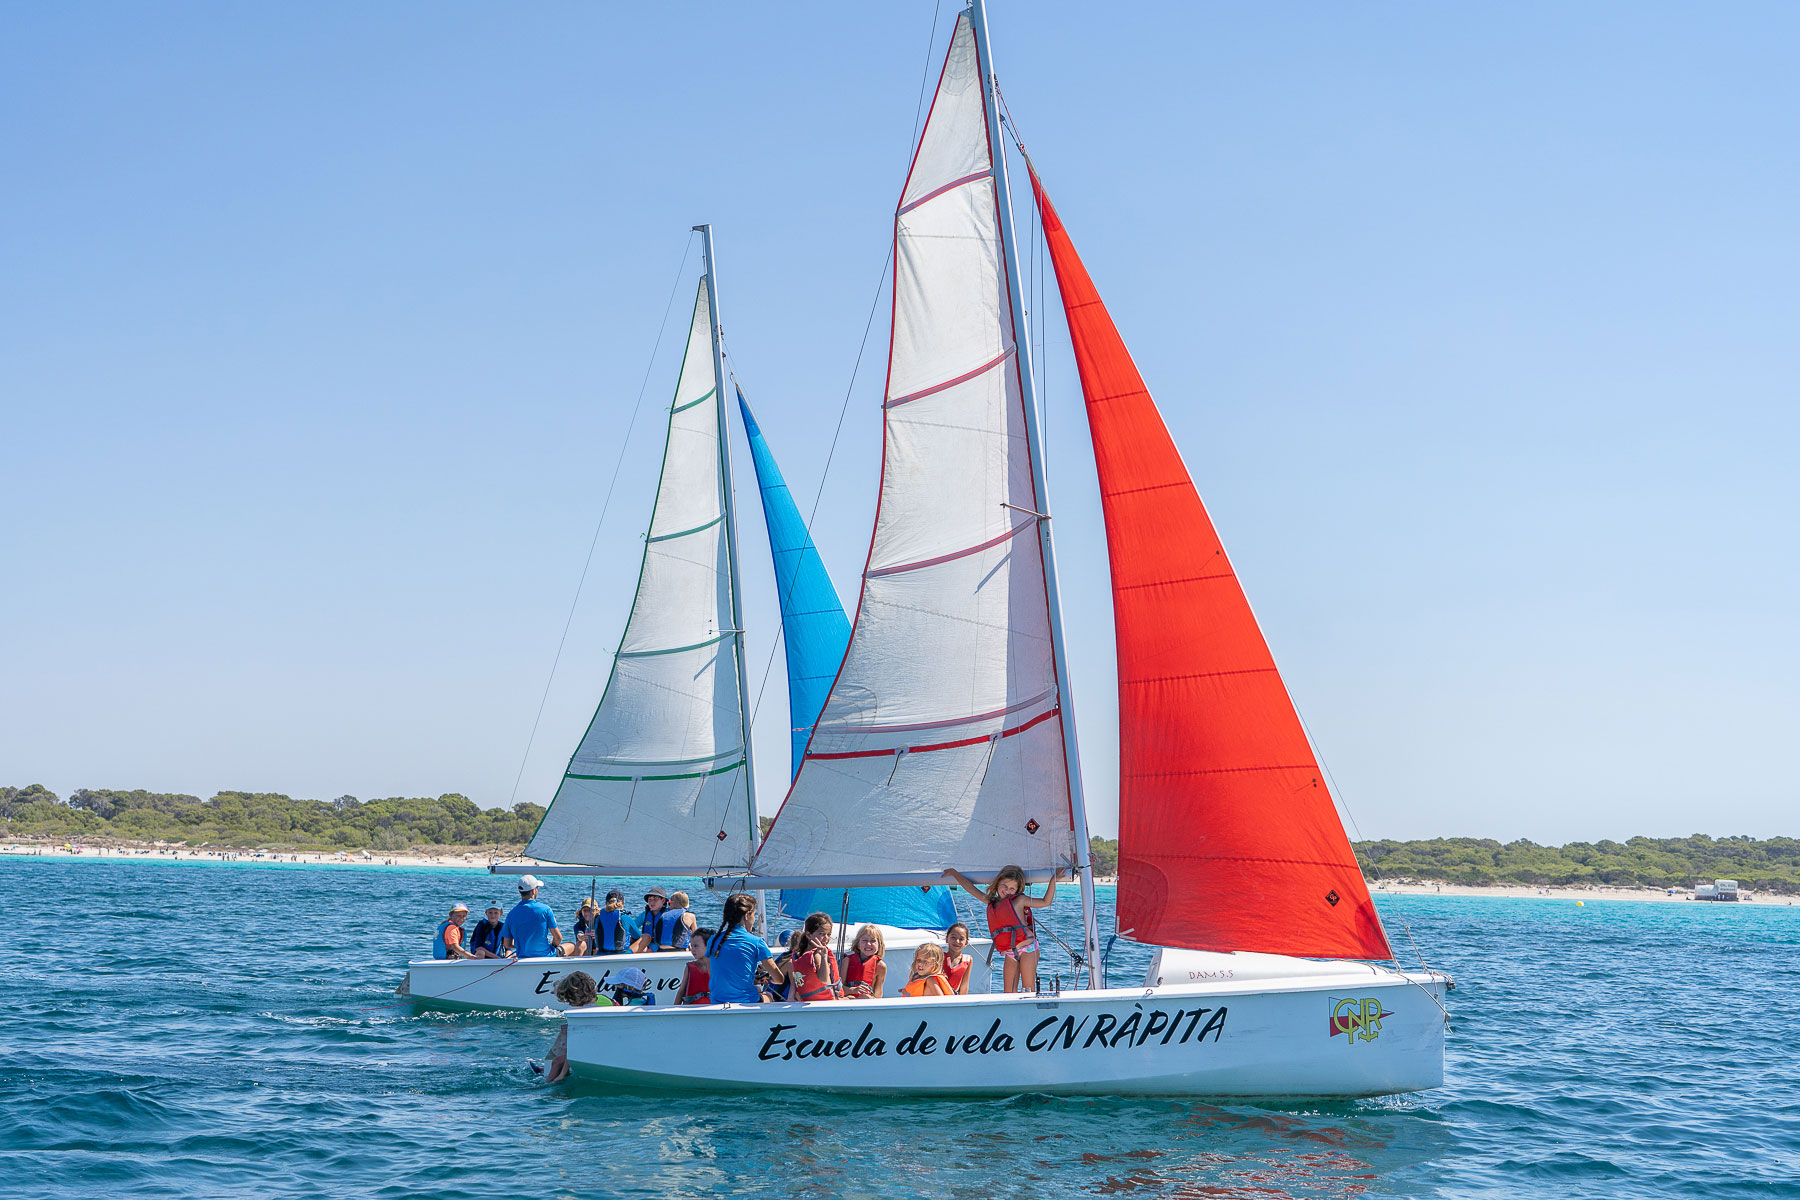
{"type": "Point", "coordinates": [967, 885]}
{"type": "Point", "coordinates": [1043, 901]}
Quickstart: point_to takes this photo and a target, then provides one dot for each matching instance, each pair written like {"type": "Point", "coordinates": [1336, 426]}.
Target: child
{"type": "Point", "coordinates": [956, 963]}
{"type": "Point", "coordinates": [811, 965]}
{"type": "Point", "coordinates": [584, 927]}
{"type": "Point", "coordinates": [1010, 921]}
{"type": "Point", "coordinates": [577, 990]}
{"type": "Point", "coordinates": [696, 977]}
{"type": "Point", "coordinates": [928, 973]}
{"type": "Point", "coordinates": [631, 986]}
{"type": "Point", "coordinates": [613, 931]}
{"type": "Point", "coordinates": [864, 971]}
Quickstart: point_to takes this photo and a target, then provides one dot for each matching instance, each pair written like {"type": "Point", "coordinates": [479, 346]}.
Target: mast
{"type": "Point", "coordinates": [731, 552]}
{"type": "Point", "coordinates": [1028, 386]}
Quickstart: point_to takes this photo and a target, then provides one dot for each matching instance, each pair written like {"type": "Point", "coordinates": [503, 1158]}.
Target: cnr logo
{"type": "Point", "coordinates": [1357, 1018]}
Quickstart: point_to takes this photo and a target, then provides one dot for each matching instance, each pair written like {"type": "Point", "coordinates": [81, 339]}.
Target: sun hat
{"type": "Point", "coordinates": [530, 883]}
{"type": "Point", "coordinates": [658, 892]}
{"type": "Point", "coordinates": [632, 977]}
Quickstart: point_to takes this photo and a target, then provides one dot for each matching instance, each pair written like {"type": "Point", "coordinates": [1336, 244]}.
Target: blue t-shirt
{"type": "Point", "coordinates": [735, 958]}
{"type": "Point", "coordinates": [529, 925]}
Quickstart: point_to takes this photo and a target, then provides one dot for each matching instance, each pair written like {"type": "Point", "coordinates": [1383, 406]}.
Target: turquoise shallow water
{"type": "Point", "coordinates": [230, 1030]}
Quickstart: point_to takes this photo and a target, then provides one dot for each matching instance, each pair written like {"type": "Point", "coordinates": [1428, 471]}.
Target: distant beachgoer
{"type": "Point", "coordinates": [577, 989]}
{"type": "Point", "coordinates": [449, 940]}
{"type": "Point", "coordinates": [484, 940]}
{"type": "Point", "coordinates": [812, 968]}
{"type": "Point", "coordinates": [672, 927]}
{"type": "Point", "coordinates": [614, 932]}
{"type": "Point", "coordinates": [864, 970]}
{"type": "Point", "coordinates": [1010, 921]}
{"type": "Point", "coordinates": [530, 930]}
{"type": "Point", "coordinates": [696, 976]}
{"type": "Point", "coordinates": [928, 973]}
{"type": "Point", "coordinates": [737, 954]}
{"type": "Point", "coordinates": [957, 964]}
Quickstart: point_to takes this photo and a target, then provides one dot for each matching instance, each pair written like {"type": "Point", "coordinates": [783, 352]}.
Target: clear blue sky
{"type": "Point", "coordinates": [320, 326]}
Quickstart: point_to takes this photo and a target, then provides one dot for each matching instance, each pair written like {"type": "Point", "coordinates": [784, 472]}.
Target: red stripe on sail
{"type": "Point", "coordinates": [956, 745]}
{"type": "Point", "coordinates": [1228, 838]}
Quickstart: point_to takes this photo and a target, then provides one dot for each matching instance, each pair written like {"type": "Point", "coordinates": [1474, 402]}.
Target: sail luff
{"type": "Point", "coordinates": [1084, 866]}
{"type": "Point", "coordinates": [1228, 836]}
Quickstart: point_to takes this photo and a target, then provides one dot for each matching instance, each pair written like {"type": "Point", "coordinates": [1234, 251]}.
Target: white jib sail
{"type": "Point", "coordinates": [658, 781]}
{"type": "Point", "coordinates": [940, 743]}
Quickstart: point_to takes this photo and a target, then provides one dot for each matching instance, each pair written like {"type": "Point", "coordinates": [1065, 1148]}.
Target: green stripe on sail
{"type": "Point", "coordinates": [663, 537]}
{"type": "Point", "coordinates": [672, 649]}
{"type": "Point", "coordinates": [702, 400]}
{"type": "Point", "coordinates": [687, 775]}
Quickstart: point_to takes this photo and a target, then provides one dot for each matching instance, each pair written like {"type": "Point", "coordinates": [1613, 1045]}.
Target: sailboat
{"type": "Point", "coordinates": [948, 736]}
{"type": "Point", "coordinates": [662, 782]}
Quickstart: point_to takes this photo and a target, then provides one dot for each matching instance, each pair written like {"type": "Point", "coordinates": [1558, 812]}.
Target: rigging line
{"type": "Point", "coordinates": [844, 408]}
{"type": "Point", "coordinates": [686, 250]}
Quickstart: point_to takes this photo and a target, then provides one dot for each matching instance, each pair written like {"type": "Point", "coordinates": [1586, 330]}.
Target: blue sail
{"type": "Point", "coordinates": [817, 633]}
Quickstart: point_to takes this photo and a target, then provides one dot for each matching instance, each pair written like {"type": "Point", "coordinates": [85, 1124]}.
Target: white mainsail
{"type": "Point", "coordinates": [659, 781]}
{"type": "Point", "coordinates": [940, 742]}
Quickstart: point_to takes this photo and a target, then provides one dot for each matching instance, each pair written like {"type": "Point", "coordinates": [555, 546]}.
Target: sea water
{"type": "Point", "coordinates": [198, 1030]}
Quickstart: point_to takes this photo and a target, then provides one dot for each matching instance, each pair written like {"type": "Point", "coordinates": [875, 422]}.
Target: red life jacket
{"type": "Point", "coordinates": [957, 974]}
{"type": "Point", "coordinates": [857, 969]}
{"type": "Point", "coordinates": [1004, 924]}
{"type": "Point", "coordinates": [696, 984]}
{"type": "Point", "coordinates": [809, 985]}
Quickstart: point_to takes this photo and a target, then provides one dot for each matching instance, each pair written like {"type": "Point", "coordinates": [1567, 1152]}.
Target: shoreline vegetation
{"type": "Point", "coordinates": [453, 831]}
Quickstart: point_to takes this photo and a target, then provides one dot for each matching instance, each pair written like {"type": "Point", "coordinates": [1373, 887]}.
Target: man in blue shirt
{"type": "Point", "coordinates": [530, 930]}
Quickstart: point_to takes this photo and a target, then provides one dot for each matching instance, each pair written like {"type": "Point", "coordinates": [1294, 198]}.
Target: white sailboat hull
{"type": "Point", "coordinates": [1307, 1036]}
{"type": "Point", "coordinates": [530, 983]}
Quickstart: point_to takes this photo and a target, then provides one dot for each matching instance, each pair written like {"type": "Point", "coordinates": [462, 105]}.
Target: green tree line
{"type": "Point", "coordinates": [1771, 865]}
{"type": "Point", "coordinates": [266, 819]}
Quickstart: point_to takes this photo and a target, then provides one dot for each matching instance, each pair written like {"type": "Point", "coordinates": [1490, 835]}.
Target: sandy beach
{"type": "Point", "coordinates": [476, 860]}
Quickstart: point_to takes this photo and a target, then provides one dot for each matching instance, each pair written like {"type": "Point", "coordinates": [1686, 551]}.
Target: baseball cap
{"type": "Point", "coordinates": [530, 883]}
{"type": "Point", "coordinates": [615, 894]}
{"type": "Point", "coordinates": [632, 977]}
{"type": "Point", "coordinates": [459, 906]}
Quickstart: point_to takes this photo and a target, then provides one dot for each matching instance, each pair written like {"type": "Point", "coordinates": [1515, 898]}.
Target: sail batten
{"type": "Point", "coordinates": [1228, 836]}
{"type": "Point", "coordinates": [660, 777]}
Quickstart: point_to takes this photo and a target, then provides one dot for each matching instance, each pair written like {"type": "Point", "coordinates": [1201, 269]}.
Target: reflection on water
{"type": "Point", "coordinates": [205, 1056]}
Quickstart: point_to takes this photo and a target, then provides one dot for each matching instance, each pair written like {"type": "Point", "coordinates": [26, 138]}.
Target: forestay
{"type": "Point", "coordinates": [940, 742]}
{"type": "Point", "coordinates": [658, 781]}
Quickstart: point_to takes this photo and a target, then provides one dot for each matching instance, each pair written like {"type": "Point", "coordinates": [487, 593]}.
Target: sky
{"type": "Point", "coordinates": [322, 328]}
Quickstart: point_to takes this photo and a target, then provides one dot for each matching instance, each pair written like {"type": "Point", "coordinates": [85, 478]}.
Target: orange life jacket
{"type": "Point", "coordinates": [930, 985]}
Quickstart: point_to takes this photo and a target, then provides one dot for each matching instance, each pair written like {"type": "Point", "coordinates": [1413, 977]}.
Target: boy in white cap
{"type": "Point", "coordinates": [530, 930]}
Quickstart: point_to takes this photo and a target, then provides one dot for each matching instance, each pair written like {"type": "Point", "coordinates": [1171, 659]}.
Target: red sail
{"type": "Point", "coordinates": [1228, 839]}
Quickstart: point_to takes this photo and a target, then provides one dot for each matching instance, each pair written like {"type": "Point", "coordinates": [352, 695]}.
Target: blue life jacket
{"type": "Point", "coordinates": [612, 932]}
{"type": "Point", "coordinates": [439, 947]}
{"type": "Point", "coordinates": [667, 931]}
{"type": "Point", "coordinates": [486, 937]}
{"type": "Point", "coordinates": [622, 996]}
